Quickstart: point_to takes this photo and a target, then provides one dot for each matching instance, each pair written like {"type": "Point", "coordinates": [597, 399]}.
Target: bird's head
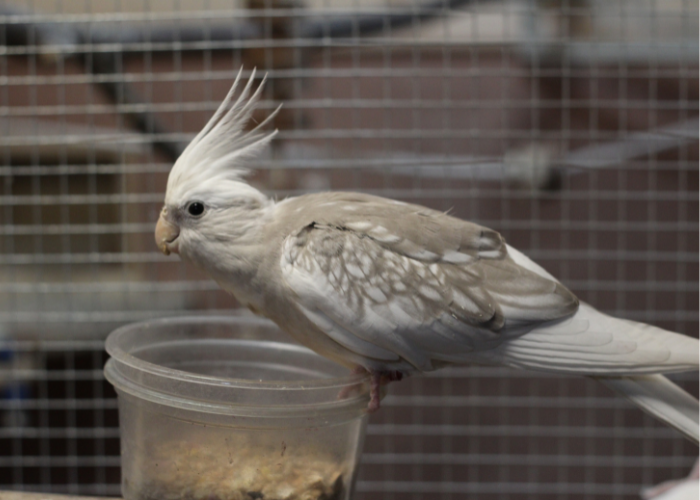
{"type": "Point", "coordinates": [206, 198]}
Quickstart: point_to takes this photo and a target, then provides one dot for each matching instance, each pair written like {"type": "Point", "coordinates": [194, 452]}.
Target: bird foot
{"type": "Point", "coordinates": [377, 380]}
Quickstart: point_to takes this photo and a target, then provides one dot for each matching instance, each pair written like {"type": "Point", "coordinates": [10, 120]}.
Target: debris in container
{"type": "Point", "coordinates": [228, 471]}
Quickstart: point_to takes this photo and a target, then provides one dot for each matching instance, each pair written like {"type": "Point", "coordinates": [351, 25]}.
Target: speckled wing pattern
{"type": "Point", "coordinates": [392, 281]}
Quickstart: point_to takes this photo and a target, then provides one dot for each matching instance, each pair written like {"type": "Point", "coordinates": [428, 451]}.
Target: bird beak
{"type": "Point", "coordinates": [166, 234]}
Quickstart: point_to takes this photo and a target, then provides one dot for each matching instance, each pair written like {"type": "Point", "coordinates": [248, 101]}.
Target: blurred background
{"type": "Point", "coordinates": [571, 127]}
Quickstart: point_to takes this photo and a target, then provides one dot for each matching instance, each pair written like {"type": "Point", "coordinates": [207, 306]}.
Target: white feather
{"type": "Point", "coordinates": [662, 399]}
{"type": "Point", "coordinates": [214, 161]}
{"type": "Point", "coordinates": [592, 343]}
{"type": "Point", "coordinates": [456, 257]}
{"type": "Point", "coordinates": [522, 260]}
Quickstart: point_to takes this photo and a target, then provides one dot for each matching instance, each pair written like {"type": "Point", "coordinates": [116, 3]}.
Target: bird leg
{"type": "Point", "coordinates": [380, 378]}
{"type": "Point", "coordinates": [377, 380]}
{"type": "Point", "coordinates": [374, 392]}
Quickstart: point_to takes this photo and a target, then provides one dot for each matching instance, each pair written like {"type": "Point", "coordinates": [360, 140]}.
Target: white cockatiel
{"type": "Point", "coordinates": [394, 288]}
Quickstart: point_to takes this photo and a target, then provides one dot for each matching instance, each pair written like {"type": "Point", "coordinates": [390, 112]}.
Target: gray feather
{"type": "Point", "coordinates": [412, 280]}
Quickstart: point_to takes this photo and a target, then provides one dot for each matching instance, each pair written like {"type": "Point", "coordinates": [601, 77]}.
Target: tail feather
{"type": "Point", "coordinates": [660, 398]}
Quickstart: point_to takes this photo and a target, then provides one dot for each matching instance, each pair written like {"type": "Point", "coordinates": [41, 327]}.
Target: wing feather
{"type": "Point", "coordinates": [593, 343]}
{"type": "Point", "coordinates": [379, 279]}
{"type": "Point", "coordinates": [386, 278]}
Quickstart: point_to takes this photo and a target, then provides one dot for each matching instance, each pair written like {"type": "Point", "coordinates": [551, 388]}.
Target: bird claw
{"type": "Point", "coordinates": [377, 380]}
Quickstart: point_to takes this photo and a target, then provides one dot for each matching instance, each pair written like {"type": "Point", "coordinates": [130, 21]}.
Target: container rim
{"type": "Point", "coordinates": [121, 356]}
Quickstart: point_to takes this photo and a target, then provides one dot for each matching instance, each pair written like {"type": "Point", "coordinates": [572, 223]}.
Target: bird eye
{"type": "Point", "coordinates": [195, 208]}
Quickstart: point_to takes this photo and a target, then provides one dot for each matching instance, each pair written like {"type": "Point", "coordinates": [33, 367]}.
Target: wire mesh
{"type": "Point", "coordinates": [570, 127]}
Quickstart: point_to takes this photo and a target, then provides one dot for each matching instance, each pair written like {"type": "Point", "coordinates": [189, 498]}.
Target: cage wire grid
{"type": "Point", "coordinates": [570, 127]}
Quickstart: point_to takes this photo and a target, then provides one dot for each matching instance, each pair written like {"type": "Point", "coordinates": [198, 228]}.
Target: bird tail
{"type": "Point", "coordinates": [660, 398]}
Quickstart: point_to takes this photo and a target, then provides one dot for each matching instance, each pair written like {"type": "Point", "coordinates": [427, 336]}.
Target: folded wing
{"type": "Point", "coordinates": [390, 281]}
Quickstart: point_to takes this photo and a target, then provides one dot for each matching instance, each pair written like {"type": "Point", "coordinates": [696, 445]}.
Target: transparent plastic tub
{"type": "Point", "coordinates": [221, 408]}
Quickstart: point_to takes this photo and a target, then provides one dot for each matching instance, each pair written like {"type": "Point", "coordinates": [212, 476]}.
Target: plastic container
{"type": "Point", "coordinates": [221, 408]}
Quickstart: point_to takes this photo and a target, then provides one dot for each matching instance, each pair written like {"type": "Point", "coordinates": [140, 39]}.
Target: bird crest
{"type": "Point", "coordinates": [217, 155]}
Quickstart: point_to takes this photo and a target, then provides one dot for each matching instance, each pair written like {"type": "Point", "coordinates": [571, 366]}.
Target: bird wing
{"type": "Point", "coordinates": [593, 343]}
{"type": "Point", "coordinates": [389, 280]}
